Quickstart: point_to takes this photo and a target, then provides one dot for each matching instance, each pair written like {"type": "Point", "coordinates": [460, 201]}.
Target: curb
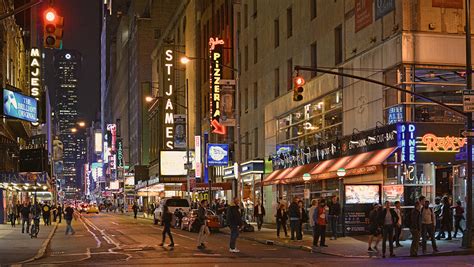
{"type": "Point", "coordinates": [44, 246]}
{"type": "Point", "coordinates": [310, 249]}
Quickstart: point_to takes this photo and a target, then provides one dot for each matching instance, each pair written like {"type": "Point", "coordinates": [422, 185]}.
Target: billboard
{"type": "Point", "coordinates": [179, 131]}
{"type": "Point", "coordinates": [19, 106]}
{"type": "Point", "coordinates": [363, 14]}
{"type": "Point", "coordinates": [393, 193]}
{"type": "Point", "coordinates": [172, 162]}
{"type": "Point", "coordinates": [217, 154]}
{"type": "Point", "coordinates": [97, 142]}
{"type": "Point", "coordinates": [97, 171]}
{"type": "Point", "coordinates": [362, 194]}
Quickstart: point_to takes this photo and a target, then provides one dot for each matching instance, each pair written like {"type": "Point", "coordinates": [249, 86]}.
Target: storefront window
{"type": "Point", "coordinates": [316, 121]}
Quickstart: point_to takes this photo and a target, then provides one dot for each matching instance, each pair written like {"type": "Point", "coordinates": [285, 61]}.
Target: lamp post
{"type": "Point", "coordinates": [306, 194]}
{"type": "Point", "coordinates": [341, 172]}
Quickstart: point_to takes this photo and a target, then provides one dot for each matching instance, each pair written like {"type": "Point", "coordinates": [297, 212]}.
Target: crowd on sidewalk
{"type": "Point", "coordinates": [28, 215]}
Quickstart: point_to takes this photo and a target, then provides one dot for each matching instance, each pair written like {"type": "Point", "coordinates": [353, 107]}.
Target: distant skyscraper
{"type": "Point", "coordinates": [67, 64]}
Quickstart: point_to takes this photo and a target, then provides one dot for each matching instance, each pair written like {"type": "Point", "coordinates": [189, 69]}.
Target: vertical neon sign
{"type": "Point", "coordinates": [407, 142]}
{"type": "Point", "coordinates": [168, 94]}
{"type": "Point", "coordinates": [215, 76]}
{"type": "Point", "coordinates": [35, 79]}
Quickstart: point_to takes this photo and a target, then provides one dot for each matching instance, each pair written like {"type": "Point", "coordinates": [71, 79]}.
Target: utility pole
{"type": "Point", "coordinates": [467, 236]}
{"type": "Point", "coordinates": [238, 150]}
{"type": "Point", "coordinates": [188, 186]}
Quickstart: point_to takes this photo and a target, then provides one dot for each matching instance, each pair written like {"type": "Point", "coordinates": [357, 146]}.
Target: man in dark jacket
{"type": "Point", "coordinates": [259, 213]}
{"type": "Point", "coordinates": [388, 218]}
{"type": "Point", "coordinates": [415, 229]}
{"type": "Point", "coordinates": [334, 213]}
{"type": "Point", "coordinates": [202, 221]}
{"type": "Point", "coordinates": [25, 218]}
{"type": "Point", "coordinates": [294, 214]}
{"type": "Point", "coordinates": [135, 210]}
{"type": "Point", "coordinates": [234, 220]}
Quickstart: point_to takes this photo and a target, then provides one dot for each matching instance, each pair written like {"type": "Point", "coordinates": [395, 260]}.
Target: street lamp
{"type": "Point", "coordinates": [185, 60]}
{"type": "Point", "coordinates": [306, 193]}
{"type": "Point", "coordinates": [341, 172]}
{"type": "Point", "coordinates": [81, 124]}
{"type": "Point", "coordinates": [73, 130]}
{"type": "Point", "coordinates": [149, 99]}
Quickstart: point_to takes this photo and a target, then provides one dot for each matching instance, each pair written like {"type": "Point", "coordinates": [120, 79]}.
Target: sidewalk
{"type": "Point", "coordinates": [16, 247]}
{"type": "Point", "coordinates": [347, 247]}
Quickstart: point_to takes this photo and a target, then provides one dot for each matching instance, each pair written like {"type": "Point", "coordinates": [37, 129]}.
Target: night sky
{"type": "Point", "coordinates": [82, 32]}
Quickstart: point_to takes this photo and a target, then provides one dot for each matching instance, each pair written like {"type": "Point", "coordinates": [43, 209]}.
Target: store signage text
{"type": "Point", "coordinates": [215, 54]}
{"type": "Point", "coordinates": [35, 76]}
{"type": "Point", "coordinates": [119, 154]}
{"type": "Point", "coordinates": [112, 128]}
{"type": "Point", "coordinates": [407, 142]}
{"type": "Point", "coordinates": [168, 94]}
{"type": "Point", "coordinates": [442, 144]}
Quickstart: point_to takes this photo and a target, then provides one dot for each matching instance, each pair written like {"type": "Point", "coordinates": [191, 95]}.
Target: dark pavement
{"type": "Point", "coordinates": [112, 239]}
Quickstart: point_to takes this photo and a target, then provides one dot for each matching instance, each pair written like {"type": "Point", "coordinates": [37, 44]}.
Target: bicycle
{"type": "Point", "coordinates": [35, 228]}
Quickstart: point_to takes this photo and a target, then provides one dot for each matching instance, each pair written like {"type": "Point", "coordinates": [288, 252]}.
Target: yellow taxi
{"type": "Point", "coordinates": [92, 209]}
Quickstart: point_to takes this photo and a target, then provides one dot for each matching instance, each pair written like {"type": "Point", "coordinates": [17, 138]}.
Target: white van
{"type": "Point", "coordinates": [173, 204]}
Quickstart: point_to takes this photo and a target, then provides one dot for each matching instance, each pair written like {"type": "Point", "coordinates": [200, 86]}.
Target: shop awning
{"type": "Point", "coordinates": [364, 163]}
{"type": "Point", "coordinates": [296, 175]}
{"type": "Point", "coordinates": [271, 177]}
{"type": "Point", "coordinates": [282, 175]}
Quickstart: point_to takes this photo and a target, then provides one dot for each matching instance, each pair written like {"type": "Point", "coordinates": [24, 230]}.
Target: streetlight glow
{"type": "Point", "coordinates": [81, 124]}
{"type": "Point", "coordinates": [149, 99]}
{"type": "Point", "coordinates": [73, 130]}
{"type": "Point", "coordinates": [185, 60]}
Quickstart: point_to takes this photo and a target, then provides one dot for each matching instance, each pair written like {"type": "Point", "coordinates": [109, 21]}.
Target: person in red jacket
{"type": "Point", "coordinates": [320, 222]}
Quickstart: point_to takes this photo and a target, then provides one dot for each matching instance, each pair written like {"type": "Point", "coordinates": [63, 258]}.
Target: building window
{"type": "Point", "coordinates": [255, 51]}
{"type": "Point", "coordinates": [314, 8]}
{"type": "Point", "coordinates": [276, 32]}
{"type": "Point", "coordinates": [318, 121]}
{"type": "Point", "coordinates": [246, 55]}
{"type": "Point", "coordinates": [255, 95]}
{"type": "Point", "coordinates": [289, 22]}
{"type": "Point", "coordinates": [246, 16]}
{"type": "Point", "coordinates": [277, 82]}
{"type": "Point", "coordinates": [338, 44]}
{"type": "Point", "coordinates": [246, 99]}
{"type": "Point", "coordinates": [239, 20]}
{"type": "Point", "coordinates": [254, 15]}
{"type": "Point", "coordinates": [240, 63]}
{"type": "Point", "coordinates": [314, 58]}
{"type": "Point", "coordinates": [289, 65]}
{"type": "Point", "coordinates": [255, 142]}
{"type": "Point", "coordinates": [247, 145]}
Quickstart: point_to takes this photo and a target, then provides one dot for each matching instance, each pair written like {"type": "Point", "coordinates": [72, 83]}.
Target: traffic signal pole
{"type": "Point", "coordinates": [467, 235]}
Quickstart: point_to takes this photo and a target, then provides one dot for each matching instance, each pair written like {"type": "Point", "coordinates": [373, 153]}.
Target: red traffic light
{"type": "Point", "coordinates": [50, 15]}
{"type": "Point", "coordinates": [299, 81]}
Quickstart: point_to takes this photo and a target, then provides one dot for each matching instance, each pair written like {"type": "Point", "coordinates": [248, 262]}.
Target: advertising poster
{"type": "Point", "coordinates": [393, 193]}
{"type": "Point", "coordinates": [362, 194]}
{"type": "Point", "coordinates": [179, 131]}
{"type": "Point", "coordinates": [363, 14]}
{"type": "Point", "coordinates": [383, 7]}
{"type": "Point", "coordinates": [19, 106]}
{"type": "Point", "coordinates": [172, 163]}
{"type": "Point", "coordinates": [355, 217]}
{"type": "Point", "coordinates": [217, 154]}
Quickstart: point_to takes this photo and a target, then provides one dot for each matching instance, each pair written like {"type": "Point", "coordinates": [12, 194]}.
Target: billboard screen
{"type": "Point", "coordinates": [362, 194]}
{"type": "Point", "coordinates": [172, 162]}
{"type": "Point", "coordinates": [19, 106]}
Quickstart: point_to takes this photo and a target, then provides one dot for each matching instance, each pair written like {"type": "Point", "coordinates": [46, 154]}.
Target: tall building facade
{"type": "Point", "coordinates": [67, 64]}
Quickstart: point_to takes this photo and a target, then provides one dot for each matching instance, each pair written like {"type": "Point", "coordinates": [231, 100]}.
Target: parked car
{"type": "Point", "coordinates": [82, 207]}
{"type": "Point", "coordinates": [92, 209]}
{"type": "Point", "coordinates": [189, 225]}
{"type": "Point", "coordinates": [173, 204]}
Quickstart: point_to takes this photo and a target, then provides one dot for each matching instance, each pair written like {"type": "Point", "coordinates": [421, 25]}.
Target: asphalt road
{"type": "Point", "coordinates": [111, 240]}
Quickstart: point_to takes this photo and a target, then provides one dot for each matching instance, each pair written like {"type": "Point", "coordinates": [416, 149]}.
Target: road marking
{"type": "Point", "coordinates": [204, 254]}
{"type": "Point", "coordinates": [115, 223]}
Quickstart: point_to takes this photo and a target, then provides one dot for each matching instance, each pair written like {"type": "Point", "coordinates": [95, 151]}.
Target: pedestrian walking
{"type": "Point", "coordinates": [312, 209]}
{"type": "Point", "coordinates": [446, 219]}
{"type": "Point", "coordinates": [320, 222]}
{"type": "Point", "coordinates": [46, 214]}
{"type": "Point", "coordinates": [334, 213]}
{"type": "Point", "coordinates": [18, 211]}
{"type": "Point", "coordinates": [303, 217]}
{"type": "Point", "coordinates": [375, 231]}
{"type": "Point", "coordinates": [54, 210]}
{"type": "Point", "coordinates": [388, 218]}
{"type": "Point", "coordinates": [294, 214]}
{"type": "Point", "coordinates": [135, 210]}
{"type": "Point", "coordinates": [458, 217]}
{"type": "Point", "coordinates": [437, 211]}
{"type": "Point", "coordinates": [234, 220]}
{"type": "Point", "coordinates": [259, 213]}
{"type": "Point", "coordinates": [60, 212]}
{"type": "Point", "coordinates": [202, 222]}
{"type": "Point", "coordinates": [12, 215]}
{"type": "Point", "coordinates": [166, 219]}
{"type": "Point", "coordinates": [68, 216]}
{"type": "Point", "coordinates": [398, 225]}
{"type": "Point", "coordinates": [428, 221]}
{"type": "Point", "coordinates": [25, 218]}
{"type": "Point", "coordinates": [281, 219]}
{"type": "Point", "coordinates": [156, 215]}
{"type": "Point", "coordinates": [415, 229]}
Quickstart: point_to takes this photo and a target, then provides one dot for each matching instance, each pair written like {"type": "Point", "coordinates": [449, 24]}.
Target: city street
{"type": "Point", "coordinates": [113, 239]}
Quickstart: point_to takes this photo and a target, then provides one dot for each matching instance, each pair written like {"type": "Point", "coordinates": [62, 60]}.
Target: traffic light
{"type": "Point", "coordinates": [52, 29]}
{"type": "Point", "coordinates": [298, 88]}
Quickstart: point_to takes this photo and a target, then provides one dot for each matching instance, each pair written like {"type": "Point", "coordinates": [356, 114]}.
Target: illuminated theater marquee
{"type": "Point", "coordinates": [35, 77]}
{"type": "Point", "coordinates": [168, 94]}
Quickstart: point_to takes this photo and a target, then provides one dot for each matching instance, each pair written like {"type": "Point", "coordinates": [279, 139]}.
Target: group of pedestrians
{"type": "Point", "coordinates": [233, 220]}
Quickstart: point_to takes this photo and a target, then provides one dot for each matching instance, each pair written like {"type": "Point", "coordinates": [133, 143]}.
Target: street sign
{"type": "Point", "coordinates": [468, 100]}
